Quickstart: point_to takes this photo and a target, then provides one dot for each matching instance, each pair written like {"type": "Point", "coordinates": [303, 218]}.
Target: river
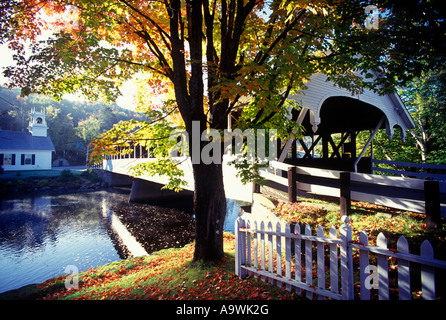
{"type": "Point", "coordinates": [41, 235]}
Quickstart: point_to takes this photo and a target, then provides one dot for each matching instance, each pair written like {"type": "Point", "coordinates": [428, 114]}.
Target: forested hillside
{"type": "Point", "coordinates": [72, 124]}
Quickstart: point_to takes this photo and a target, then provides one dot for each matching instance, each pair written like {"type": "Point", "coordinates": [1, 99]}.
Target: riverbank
{"type": "Point", "coordinates": [53, 181]}
{"type": "Point", "coordinates": [167, 274]}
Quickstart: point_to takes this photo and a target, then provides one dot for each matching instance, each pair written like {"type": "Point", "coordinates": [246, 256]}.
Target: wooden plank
{"type": "Point", "coordinates": [334, 261]}
{"type": "Point", "coordinates": [346, 260]}
{"type": "Point", "coordinates": [316, 172]}
{"type": "Point", "coordinates": [262, 248]}
{"type": "Point", "coordinates": [295, 283]}
{"type": "Point", "coordinates": [280, 165]}
{"type": "Point", "coordinates": [270, 253]}
{"type": "Point", "coordinates": [383, 269]}
{"type": "Point", "coordinates": [401, 182]}
{"type": "Point", "coordinates": [412, 165]}
{"type": "Point", "coordinates": [412, 174]}
{"type": "Point", "coordinates": [320, 262]}
{"type": "Point", "coordinates": [364, 267]}
{"type": "Point", "coordinates": [399, 255]}
{"type": "Point", "coordinates": [432, 204]}
{"type": "Point", "coordinates": [345, 194]}
{"type": "Point", "coordinates": [427, 272]}
{"type": "Point", "coordinates": [256, 246]}
{"type": "Point", "coordinates": [287, 254]}
{"type": "Point", "coordinates": [269, 176]}
{"type": "Point", "coordinates": [308, 261]}
{"type": "Point", "coordinates": [292, 188]}
{"type": "Point", "coordinates": [296, 236]}
{"type": "Point", "coordinates": [279, 253]}
{"type": "Point", "coordinates": [403, 271]}
{"type": "Point", "coordinates": [397, 203]}
{"type": "Point", "coordinates": [239, 247]}
{"type": "Point", "coordinates": [297, 257]}
{"type": "Point", "coordinates": [321, 190]}
{"type": "Point", "coordinates": [248, 243]}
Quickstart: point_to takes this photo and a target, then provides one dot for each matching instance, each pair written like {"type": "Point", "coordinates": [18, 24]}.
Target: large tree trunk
{"type": "Point", "coordinates": [209, 194]}
{"type": "Point", "coordinates": [210, 211]}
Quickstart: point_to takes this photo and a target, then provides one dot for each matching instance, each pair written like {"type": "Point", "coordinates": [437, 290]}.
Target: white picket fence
{"type": "Point", "coordinates": [267, 251]}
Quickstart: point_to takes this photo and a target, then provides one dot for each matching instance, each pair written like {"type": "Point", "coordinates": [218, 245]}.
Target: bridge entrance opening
{"type": "Point", "coordinates": [331, 143]}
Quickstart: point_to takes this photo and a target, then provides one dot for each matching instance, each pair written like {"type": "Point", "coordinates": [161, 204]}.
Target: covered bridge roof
{"type": "Point", "coordinates": [334, 109]}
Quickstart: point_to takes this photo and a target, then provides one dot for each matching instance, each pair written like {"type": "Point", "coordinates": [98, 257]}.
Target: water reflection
{"type": "Point", "coordinates": [232, 213]}
{"type": "Point", "coordinates": [134, 248]}
{"type": "Point", "coordinates": [41, 235]}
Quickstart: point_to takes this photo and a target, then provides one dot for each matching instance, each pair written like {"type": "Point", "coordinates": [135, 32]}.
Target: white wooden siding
{"type": "Point", "coordinates": [319, 89]}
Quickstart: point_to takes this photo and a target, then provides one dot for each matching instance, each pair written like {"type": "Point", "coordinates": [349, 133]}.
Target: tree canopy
{"type": "Point", "coordinates": [216, 59]}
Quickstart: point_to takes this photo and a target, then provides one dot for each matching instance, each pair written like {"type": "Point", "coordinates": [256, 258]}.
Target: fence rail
{"type": "Point", "coordinates": [410, 194]}
{"type": "Point", "coordinates": [267, 251]}
{"type": "Point", "coordinates": [407, 169]}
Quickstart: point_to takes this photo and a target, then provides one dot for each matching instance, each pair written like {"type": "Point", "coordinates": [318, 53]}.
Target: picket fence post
{"type": "Point", "coordinates": [237, 244]}
{"type": "Point", "coordinates": [403, 270]}
{"type": "Point", "coordinates": [308, 261]}
{"type": "Point", "coordinates": [279, 252]}
{"type": "Point", "coordinates": [240, 247]}
{"type": "Point", "coordinates": [334, 276]}
{"type": "Point", "coordinates": [346, 260]}
{"type": "Point", "coordinates": [262, 248]}
{"type": "Point", "coordinates": [320, 262]}
{"type": "Point", "coordinates": [364, 267]}
{"type": "Point", "coordinates": [270, 252]}
{"type": "Point", "coordinates": [298, 257]}
{"type": "Point", "coordinates": [427, 272]}
{"type": "Point", "coordinates": [256, 247]}
{"type": "Point", "coordinates": [383, 269]}
{"type": "Point", "coordinates": [288, 254]}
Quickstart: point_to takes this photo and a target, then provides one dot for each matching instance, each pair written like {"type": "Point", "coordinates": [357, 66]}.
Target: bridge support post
{"type": "Point", "coordinates": [345, 196]}
{"type": "Point", "coordinates": [432, 204]}
{"type": "Point", "coordinates": [292, 190]}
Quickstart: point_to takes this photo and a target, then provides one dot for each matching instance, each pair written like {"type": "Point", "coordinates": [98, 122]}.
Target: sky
{"type": "Point", "coordinates": [125, 101]}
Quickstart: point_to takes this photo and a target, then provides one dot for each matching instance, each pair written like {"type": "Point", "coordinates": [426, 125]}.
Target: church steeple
{"type": "Point", "coordinates": [37, 124]}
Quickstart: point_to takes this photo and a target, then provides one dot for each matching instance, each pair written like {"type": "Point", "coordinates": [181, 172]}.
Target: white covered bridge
{"type": "Point", "coordinates": [325, 110]}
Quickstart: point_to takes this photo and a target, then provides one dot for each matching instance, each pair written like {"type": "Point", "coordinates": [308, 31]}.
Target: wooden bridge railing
{"type": "Point", "coordinates": [408, 169]}
{"type": "Point", "coordinates": [410, 194]}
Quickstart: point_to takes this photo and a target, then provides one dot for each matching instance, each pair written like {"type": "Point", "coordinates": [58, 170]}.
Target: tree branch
{"type": "Point", "coordinates": [262, 57]}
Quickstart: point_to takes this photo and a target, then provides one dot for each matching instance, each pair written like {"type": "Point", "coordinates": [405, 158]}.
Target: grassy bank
{"type": "Point", "coordinates": [166, 274]}
{"type": "Point", "coordinates": [45, 181]}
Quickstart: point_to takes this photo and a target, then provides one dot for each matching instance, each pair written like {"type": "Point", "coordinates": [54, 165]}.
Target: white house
{"type": "Point", "coordinates": [30, 150]}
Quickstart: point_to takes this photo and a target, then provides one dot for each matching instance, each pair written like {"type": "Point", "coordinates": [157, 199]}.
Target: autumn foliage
{"type": "Point", "coordinates": [218, 59]}
{"type": "Point", "coordinates": [165, 275]}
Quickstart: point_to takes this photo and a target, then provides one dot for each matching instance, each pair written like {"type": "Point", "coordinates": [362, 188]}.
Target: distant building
{"type": "Point", "coordinates": [61, 162]}
{"type": "Point", "coordinates": [30, 150]}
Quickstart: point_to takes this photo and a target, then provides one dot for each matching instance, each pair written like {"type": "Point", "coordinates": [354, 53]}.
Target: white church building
{"type": "Point", "coordinates": [30, 150]}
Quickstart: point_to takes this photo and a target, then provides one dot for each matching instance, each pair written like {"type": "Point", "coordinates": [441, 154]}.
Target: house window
{"type": "Point", "coordinates": [9, 159]}
{"type": "Point", "coordinates": [28, 159]}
